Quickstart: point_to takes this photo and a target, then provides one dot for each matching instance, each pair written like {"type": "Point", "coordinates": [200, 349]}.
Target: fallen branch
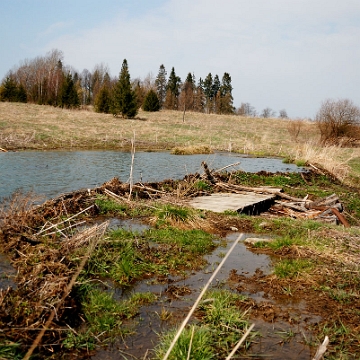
{"type": "Point", "coordinates": [225, 167]}
{"type": "Point", "coordinates": [100, 231]}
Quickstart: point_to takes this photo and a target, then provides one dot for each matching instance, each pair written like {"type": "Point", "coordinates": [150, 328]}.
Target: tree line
{"type": "Point", "coordinates": [46, 80]}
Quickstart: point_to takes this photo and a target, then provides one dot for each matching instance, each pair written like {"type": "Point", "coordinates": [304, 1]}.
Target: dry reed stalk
{"type": "Point", "coordinates": [96, 234]}
{"type": "Point", "coordinates": [64, 221]}
{"type": "Point", "coordinates": [200, 297]}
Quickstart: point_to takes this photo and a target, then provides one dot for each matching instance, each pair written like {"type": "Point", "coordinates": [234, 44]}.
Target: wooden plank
{"type": "Point", "coordinates": [248, 202]}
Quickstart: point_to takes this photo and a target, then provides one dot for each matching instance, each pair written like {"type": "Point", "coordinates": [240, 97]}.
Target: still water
{"type": "Point", "coordinates": [52, 173]}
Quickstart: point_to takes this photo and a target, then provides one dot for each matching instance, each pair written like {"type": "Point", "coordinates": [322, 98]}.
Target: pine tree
{"type": "Point", "coordinates": [21, 96]}
{"type": "Point", "coordinates": [199, 100]}
{"type": "Point", "coordinates": [226, 98]}
{"type": "Point", "coordinates": [69, 97]}
{"type": "Point", "coordinates": [215, 94]}
{"type": "Point", "coordinates": [173, 90]}
{"type": "Point", "coordinates": [208, 92]}
{"type": "Point", "coordinates": [151, 101]}
{"type": "Point", "coordinates": [187, 93]}
{"type": "Point", "coordinates": [124, 97]}
{"type": "Point", "coordinates": [9, 90]}
{"type": "Point", "coordinates": [103, 101]}
{"type": "Point", "coordinates": [160, 83]}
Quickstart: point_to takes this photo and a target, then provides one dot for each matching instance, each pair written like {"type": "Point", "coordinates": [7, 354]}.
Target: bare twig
{"type": "Point", "coordinates": [101, 229]}
{"type": "Point", "coordinates": [72, 217]}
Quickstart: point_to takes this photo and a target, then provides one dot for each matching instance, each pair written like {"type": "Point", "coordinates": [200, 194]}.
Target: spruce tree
{"type": "Point", "coordinates": [226, 98]}
{"type": "Point", "coordinates": [124, 97]}
{"type": "Point", "coordinates": [151, 101]}
{"type": "Point", "coordinates": [103, 100]}
{"type": "Point", "coordinates": [160, 83]}
{"type": "Point", "coordinates": [208, 92]}
{"type": "Point", "coordinates": [173, 90]}
{"type": "Point", "coordinates": [9, 91]}
{"type": "Point", "coordinates": [21, 95]}
{"type": "Point", "coordinates": [69, 97]}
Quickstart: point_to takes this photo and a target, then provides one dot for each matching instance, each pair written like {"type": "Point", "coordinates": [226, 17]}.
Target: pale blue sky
{"type": "Point", "coordinates": [290, 54]}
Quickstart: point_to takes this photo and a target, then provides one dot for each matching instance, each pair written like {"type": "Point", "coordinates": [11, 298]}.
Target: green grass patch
{"type": "Point", "coordinates": [126, 256]}
{"type": "Point", "coordinates": [290, 268]}
{"type": "Point", "coordinates": [106, 206]}
{"type": "Point", "coordinates": [202, 186]}
{"type": "Point", "coordinates": [221, 323]}
{"type": "Point", "coordinates": [172, 215]}
{"type": "Point", "coordinates": [104, 317]}
{"type": "Point", "coordinates": [10, 350]}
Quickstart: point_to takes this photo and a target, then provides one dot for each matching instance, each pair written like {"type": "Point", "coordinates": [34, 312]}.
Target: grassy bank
{"type": "Point", "coordinates": [27, 126]}
{"type": "Point", "coordinates": [314, 262]}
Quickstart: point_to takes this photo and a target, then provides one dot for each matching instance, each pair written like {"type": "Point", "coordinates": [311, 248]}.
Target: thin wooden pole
{"type": "Point", "coordinates": [199, 298]}
{"type": "Point", "coordinates": [240, 342]}
{"type": "Point", "coordinates": [132, 165]}
{"type": "Point", "coordinates": [322, 348]}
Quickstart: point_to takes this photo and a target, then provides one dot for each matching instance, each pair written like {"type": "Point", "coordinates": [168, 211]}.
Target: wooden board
{"type": "Point", "coordinates": [248, 202]}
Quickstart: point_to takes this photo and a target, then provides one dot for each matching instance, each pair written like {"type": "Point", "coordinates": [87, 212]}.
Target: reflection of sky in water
{"type": "Point", "coordinates": [54, 172]}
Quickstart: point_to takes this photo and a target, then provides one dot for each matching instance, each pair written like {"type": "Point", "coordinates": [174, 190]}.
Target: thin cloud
{"type": "Point", "coordinates": [272, 49]}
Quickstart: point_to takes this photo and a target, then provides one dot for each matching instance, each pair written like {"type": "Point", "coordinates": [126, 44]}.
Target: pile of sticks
{"type": "Point", "coordinates": [327, 209]}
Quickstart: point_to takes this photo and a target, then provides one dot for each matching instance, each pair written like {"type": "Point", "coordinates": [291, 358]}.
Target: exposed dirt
{"type": "Point", "coordinates": [290, 314]}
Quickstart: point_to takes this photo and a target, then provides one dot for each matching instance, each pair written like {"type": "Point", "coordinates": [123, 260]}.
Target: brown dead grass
{"type": "Point", "coordinates": [28, 126]}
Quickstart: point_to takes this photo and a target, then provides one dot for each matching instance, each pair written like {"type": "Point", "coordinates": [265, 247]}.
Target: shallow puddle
{"type": "Point", "coordinates": [283, 338]}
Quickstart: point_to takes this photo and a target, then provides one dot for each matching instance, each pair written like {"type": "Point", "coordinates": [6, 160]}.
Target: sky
{"type": "Point", "coordinates": [282, 54]}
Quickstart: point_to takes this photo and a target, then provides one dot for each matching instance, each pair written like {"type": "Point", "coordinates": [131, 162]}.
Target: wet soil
{"type": "Point", "coordinates": [282, 322]}
{"type": "Point", "coordinates": [289, 314]}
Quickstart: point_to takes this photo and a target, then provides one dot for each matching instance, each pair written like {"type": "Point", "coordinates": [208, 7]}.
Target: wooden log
{"type": "Point", "coordinates": [292, 206]}
{"type": "Point", "coordinates": [3, 150]}
{"type": "Point", "coordinates": [208, 173]}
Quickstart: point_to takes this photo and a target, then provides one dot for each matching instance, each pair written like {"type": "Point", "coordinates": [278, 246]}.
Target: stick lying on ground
{"type": "Point", "coordinates": [199, 298]}
{"type": "Point", "coordinates": [97, 234]}
{"type": "Point", "coordinates": [321, 350]}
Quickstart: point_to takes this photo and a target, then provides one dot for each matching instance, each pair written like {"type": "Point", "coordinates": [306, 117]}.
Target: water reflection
{"type": "Point", "coordinates": [54, 172]}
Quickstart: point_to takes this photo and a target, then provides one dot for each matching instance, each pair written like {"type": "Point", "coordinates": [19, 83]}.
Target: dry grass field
{"type": "Point", "coordinates": [28, 126]}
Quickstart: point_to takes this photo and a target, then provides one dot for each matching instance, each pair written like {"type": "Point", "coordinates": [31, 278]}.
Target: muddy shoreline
{"type": "Point", "coordinates": [307, 289]}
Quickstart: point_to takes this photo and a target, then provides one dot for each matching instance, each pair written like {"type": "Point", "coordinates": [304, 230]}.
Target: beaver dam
{"type": "Point", "coordinates": [142, 271]}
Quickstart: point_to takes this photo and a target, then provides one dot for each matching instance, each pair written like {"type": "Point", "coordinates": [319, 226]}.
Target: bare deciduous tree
{"type": "Point", "coordinates": [294, 127]}
{"type": "Point", "coordinates": [268, 113]}
{"type": "Point", "coordinates": [338, 121]}
{"type": "Point", "coordinates": [246, 109]}
{"type": "Point", "coordinates": [283, 114]}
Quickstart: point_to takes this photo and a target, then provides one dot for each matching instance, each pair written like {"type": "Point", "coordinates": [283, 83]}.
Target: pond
{"type": "Point", "coordinates": [52, 173]}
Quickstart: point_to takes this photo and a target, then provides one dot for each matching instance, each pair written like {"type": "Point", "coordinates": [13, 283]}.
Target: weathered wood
{"type": "Point", "coordinates": [208, 173]}
{"type": "Point", "coordinates": [225, 167]}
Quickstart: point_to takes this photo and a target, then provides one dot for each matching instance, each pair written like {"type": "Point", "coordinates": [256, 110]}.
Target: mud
{"type": "Point", "coordinates": [289, 314]}
{"type": "Point", "coordinates": [281, 322]}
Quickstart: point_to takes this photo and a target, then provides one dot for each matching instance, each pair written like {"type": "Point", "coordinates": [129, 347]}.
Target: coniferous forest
{"type": "Point", "coordinates": [45, 80]}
